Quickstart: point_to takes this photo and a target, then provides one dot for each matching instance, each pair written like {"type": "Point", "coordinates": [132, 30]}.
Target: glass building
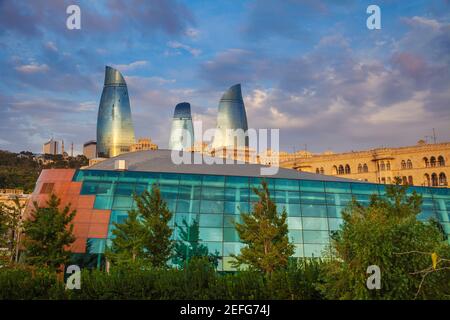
{"type": "Point", "coordinates": [210, 198]}
{"type": "Point", "coordinates": [115, 132]}
{"type": "Point", "coordinates": [182, 132]}
{"type": "Point", "coordinates": [231, 116]}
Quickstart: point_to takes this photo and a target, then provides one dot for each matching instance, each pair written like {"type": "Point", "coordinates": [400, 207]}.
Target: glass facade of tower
{"type": "Point", "coordinates": [182, 132]}
{"type": "Point", "coordinates": [115, 132]}
{"type": "Point", "coordinates": [231, 116]}
{"type": "Point", "coordinates": [212, 203]}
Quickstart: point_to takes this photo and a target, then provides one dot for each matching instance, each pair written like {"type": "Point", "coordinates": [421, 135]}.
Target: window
{"type": "Point", "coordinates": [433, 162]}
{"type": "Point", "coordinates": [382, 166]}
{"type": "Point", "coordinates": [404, 180]}
{"type": "Point", "coordinates": [347, 169]}
{"type": "Point", "coordinates": [403, 165]}
{"type": "Point", "coordinates": [425, 162]}
{"type": "Point", "coordinates": [434, 180]}
{"type": "Point", "coordinates": [365, 168]}
{"type": "Point", "coordinates": [441, 161]}
{"type": "Point", "coordinates": [47, 188]}
{"type": "Point", "coordinates": [410, 180]}
{"type": "Point", "coordinates": [317, 170]}
{"type": "Point", "coordinates": [442, 179]}
{"type": "Point", "coordinates": [341, 170]}
{"type": "Point", "coordinates": [388, 165]}
{"type": "Point", "coordinates": [409, 164]}
{"type": "Point", "coordinates": [360, 168]}
{"type": "Point", "coordinates": [383, 180]}
{"type": "Point", "coordinates": [334, 170]}
{"type": "Point", "coordinates": [321, 170]}
{"type": "Point", "coordinates": [426, 180]}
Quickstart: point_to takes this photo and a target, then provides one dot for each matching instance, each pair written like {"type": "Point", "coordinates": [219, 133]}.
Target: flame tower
{"type": "Point", "coordinates": [182, 133]}
{"type": "Point", "coordinates": [115, 131]}
{"type": "Point", "coordinates": [231, 117]}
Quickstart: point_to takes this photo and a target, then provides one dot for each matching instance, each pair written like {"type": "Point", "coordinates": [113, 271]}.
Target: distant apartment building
{"type": "Point", "coordinates": [50, 147]}
{"type": "Point", "coordinates": [90, 149]}
{"type": "Point", "coordinates": [143, 144]}
{"type": "Point", "coordinates": [420, 165]}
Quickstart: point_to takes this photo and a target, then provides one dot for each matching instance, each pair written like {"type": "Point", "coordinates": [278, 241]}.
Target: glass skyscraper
{"type": "Point", "coordinates": [115, 132]}
{"type": "Point", "coordinates": [231, 116]}
{"type": "Point", "coordinates": [182, 132]}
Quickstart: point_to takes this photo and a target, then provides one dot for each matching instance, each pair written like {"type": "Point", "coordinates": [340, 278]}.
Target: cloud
{"type": "Point", "coordinates": [131, 66]}
{"type": "Point", "coordinates": [177, 45]}
{"type": "Point", "coordinates": [32, 68]}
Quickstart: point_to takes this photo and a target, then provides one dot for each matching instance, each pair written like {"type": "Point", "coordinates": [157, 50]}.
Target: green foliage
{"type": "Point", "coordinates": [189, 246]}
{"type": "Point", "coordinates": [386, 234]}
{"type": "Point", "coordinates": [21, 170]}
{"type": "Point", "coordinates": [144, 237]}
{"type": "Point", "coordinates": [22, 283]}
{"type": "Point", "coordinates": [155, 217]}
{"type": "Point", "coordinates": [48, 233]}
{"type": "Point", "coordinates": [10, 226]}
{"type": "Point", "coordinates": [265, 233]}
{"type": "Point", "coordinates": [128, 242]}
{"type": "Point", "coordinates": [197, 281]}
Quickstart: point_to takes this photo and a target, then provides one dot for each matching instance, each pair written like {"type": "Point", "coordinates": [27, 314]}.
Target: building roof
{"type": "Point", "coordinates": [160, 161]}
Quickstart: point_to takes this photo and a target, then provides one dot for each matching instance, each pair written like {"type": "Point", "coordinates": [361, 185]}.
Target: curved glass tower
{"type": "Point", "coordinates": [182, 133]}
{"type": "Point", "coordinates": [115, 132]}
{"type": "Point", "coordinates": [231, 117]}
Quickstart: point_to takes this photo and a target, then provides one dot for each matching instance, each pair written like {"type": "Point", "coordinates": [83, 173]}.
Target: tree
{"type": "Point", "coordinates": [189, 246]}
{"type": "Point", "coordinates": [48, 233]}
{"type": "Point", "coordinates": [145, 236]}
{"type": "Point", "coordinates": [10, 227]}
{"type": "Point", "coordinates": [265, 233]}
{"type": "Point", "coordinates": [382, 234]}
{"type": "Point", "coordinates": [128, 242]}
{"type": "Point", "coordinates": [155, 217]}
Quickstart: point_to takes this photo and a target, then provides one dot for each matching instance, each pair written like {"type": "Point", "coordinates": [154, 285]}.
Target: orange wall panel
{"type": "Point", "coordinates": [98, 230]}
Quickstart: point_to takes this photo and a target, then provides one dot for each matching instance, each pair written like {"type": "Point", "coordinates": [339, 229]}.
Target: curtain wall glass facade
{"type": "Point", "coordinates": [212, 203]}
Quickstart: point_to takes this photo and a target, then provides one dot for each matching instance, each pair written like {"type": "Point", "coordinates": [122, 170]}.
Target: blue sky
{"type": "Point", "coordinates": [310, 68]}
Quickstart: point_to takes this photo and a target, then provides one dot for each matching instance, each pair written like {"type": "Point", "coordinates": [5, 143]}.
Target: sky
{"type": "Point", "coordinates": [310, 68]}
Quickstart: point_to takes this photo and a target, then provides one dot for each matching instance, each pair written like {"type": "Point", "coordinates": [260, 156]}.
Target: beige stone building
{"type": "Point", "coordinates": [143, 144]}
{"type": "Point", "coordinates": [421, 165]}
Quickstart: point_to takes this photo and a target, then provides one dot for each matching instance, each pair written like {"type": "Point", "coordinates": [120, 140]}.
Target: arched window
{"type": "Point", "coordinates": [410, 180]}
{"type": "Point", "coordinates": [317, 170]}
{"type": "Point", "coordinates": [365, 168]}
{"type": "Point", "coordinates": [425, 162]}
{"type": "Point", "coordinates": [409, 164]}
{"type": "Point", "coordinates": [441, 161]}
{"type": "Point", "coordinates": [347, 169]}
{"type": "Point", "coordinates": [360, 168]}
{"type": "Point", "coordinates": [382, 166]}
{"type": "Point", "coordinates": [442, 179]}
{"type": "Point", "coordinates": [321, 170]}
{"type": "Point", "coordinates": [426, 180]}
{"type": "Point", "coordinates": [433, 161]}
{"type": "Point", "coordinates": [388, 165]}
{"type": "Point", "coordinates": [383, 180]}
{"type": "Point", "coordinates": [434, 180]}
{"type": "Point", "coordinates": [403, 165]}
{"type": "Point", "coordinates": [334, 170]}
{"type": "Point", "coordinates": [341, 170]}
{"type": "Point", "coordinates": [404, 180]}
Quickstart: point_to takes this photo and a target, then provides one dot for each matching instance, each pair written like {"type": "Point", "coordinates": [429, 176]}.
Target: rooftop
{"type": "Point", "coordinates": [160, 161]}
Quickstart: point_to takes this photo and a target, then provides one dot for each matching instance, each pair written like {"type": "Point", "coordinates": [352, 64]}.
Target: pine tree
{"type": "Point", "coordinates": [145, 236]}
{"type": "Point", "coordinates": [157, 232]}
{"type": "Point", "coordinates": [190, 247]}
{"type": "Point", "coordinates": [128, 242]}
{"type": "Point", "coordinates": [265, 234]}
{"type": "Point", "coordinates": [48, 233]}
